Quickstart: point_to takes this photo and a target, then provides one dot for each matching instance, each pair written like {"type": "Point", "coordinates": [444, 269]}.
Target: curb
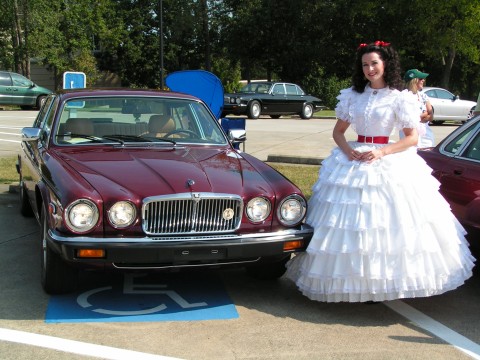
{"type": "Point", "coordinates": [294, 160]}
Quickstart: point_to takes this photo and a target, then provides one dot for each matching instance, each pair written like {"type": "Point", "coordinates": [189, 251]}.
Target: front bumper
{"type": "Point", "coordinates": [175, 252]}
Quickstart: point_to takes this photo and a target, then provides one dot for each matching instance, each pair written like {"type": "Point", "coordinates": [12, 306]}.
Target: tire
{"type": "Point", "coordinates": [268, 271]}
{"type": "Point", "coordinates": [254, 110]}
{"type": "Point", "coordinates": [40, 101]}
{"type": "Point", "coordinates": [470, 114]}
{"type": "Point", "coordinates": [56, 276]}
{"type": "Point", "coordinates": [307, 111]}
{"type": "Point", "coordinates": [25, 207]}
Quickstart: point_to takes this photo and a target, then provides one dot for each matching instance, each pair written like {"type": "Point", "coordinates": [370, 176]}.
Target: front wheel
{"type": "Point", "coordinates": [307, 111]}
{"type": "Point", "coordinates": [56, 276]}
{"type": "Point", "coordinates": [254, 110]}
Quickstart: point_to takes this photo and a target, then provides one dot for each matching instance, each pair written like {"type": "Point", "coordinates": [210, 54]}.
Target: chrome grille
{"type": "Point", "coordinates": [191, 213]}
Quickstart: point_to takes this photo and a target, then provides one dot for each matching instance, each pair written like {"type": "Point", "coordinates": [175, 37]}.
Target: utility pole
{"type": "Point", "coordinates": [160, 17]}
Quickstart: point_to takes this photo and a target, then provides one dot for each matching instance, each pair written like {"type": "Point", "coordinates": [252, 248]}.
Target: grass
{"type": "Point", "coordinates": [304, 176]}
{"type": "Point", "coordinates": [8, 171]}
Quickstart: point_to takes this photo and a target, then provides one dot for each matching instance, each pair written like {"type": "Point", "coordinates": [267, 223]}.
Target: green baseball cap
{"type": "Point", "coordinates": [414, 73]}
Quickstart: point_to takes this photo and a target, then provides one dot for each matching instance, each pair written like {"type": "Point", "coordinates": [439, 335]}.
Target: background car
{"type": "Point", "coordinates": [456, 164]}
{"type": "Point", "coordinates": [447, 106]}
{"type": "Point", "coordinates": [16, 89]}
{"type": "Point", "coordinates": [271, 98]}
{"type": "Point", "coordinates": [144, 179]}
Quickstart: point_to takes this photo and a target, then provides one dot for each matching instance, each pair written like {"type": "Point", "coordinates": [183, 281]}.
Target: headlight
{"type": "Point", "coordinates": [122, 214]}
{"type": "Point", "coordinates": [81, 216]}
{"type": "Point", "coordinates": [238, 100]}
{"type": "Point", "coordinates": [292, 210]}
{"type": "Point", "coordinates": [258, 209]}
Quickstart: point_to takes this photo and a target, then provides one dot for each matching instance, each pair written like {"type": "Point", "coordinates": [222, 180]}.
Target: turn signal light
{"type": "Point", "coordinates": [292, 245]}
{"type": "Point", "coordinates": [91, 253]}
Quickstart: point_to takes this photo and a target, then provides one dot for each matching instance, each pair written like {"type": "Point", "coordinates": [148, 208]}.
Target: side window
{"type": "Point", "coordinates": [19, 80]}
{"type": "Point", "coordinates": [453, 146]}
{"type": "Point", "coordinates": [47, 122]}
{"type": "Point", "coordinates": [291, 89]}
{"type": "Point", "coordinates": [5, 79]}
{"type": "Point", "coordinates": [444, 95]}
{"type": "Point", "coordinates": [432, 94]}
{"type": "Point", "coordinates": [278, 89]}
{"type": "Point", "coordinates": [473, 150]}
{"type": "Point", "coordinates": [41, 114]}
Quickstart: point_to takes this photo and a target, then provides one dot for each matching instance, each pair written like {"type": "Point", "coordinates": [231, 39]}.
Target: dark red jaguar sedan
{"type": "Point", "coordinates": [144, 179]}
{"type": "Point", "coordinates": [456, 164]}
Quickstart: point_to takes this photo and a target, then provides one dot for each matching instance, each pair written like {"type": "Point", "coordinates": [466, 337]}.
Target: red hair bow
{"type": "Point", "coordinates": [361, 46]}
{"type": "Point", "coordinates": [381, 43]}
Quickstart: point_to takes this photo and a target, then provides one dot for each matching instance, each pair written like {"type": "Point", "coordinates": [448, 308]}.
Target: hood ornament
{"type": "Point", "coordinates": [190, 183]}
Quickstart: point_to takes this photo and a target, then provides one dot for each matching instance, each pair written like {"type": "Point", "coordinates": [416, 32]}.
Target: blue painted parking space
{"type": "Point", "coordinates": [138, 297]}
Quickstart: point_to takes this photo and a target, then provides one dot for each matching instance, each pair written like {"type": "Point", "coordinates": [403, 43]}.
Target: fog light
{"type": "Point", "coordinates": [91, 253]}
{"type": "Point", "coordinates": [292, 245]}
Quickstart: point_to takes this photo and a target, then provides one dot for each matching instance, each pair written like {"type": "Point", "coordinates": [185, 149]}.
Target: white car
{"type": "Point", "coordinates": [447, 106]}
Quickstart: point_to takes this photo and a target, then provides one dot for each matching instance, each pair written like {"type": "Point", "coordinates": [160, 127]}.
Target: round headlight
{"type": "Point", "coordinates": [238, 100]}
{"type": "Point", "coordinates": [122, 214]}
{"type": "Point", "coordinates": [81, 216]}
{"type": "Point", "coordinates": [258, 209]}
{"type": "Point", "coordinates": [292, 210]}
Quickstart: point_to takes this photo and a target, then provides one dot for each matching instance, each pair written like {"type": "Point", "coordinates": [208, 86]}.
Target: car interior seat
{"type": "Point", "coordinates": [81, 126]}
{"type": "Point", "coordinates": [160, 125]}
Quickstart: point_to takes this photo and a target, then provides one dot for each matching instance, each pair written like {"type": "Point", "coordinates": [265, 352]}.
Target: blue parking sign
{"type": "Point", "coordinates": [74, 80]}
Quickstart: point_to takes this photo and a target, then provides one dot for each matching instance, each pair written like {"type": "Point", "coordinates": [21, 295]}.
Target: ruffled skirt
{"type": "Point", "coordinates": [382, 232]}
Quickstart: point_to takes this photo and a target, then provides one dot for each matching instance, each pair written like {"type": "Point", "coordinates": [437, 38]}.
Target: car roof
{"type": "Point", "coordinates": [99, 92]}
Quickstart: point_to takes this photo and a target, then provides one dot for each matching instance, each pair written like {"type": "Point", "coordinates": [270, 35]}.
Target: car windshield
{"type": "Point", "coordinates": [260, 88]}
{"type": "Point", "coordinates": [121, 120]}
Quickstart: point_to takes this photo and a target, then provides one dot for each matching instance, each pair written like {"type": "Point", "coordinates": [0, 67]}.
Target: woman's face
{"type": "Point", "coordinates": [373, 69]}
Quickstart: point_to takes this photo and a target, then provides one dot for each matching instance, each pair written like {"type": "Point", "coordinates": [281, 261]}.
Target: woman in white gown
{"type": "Point", "coordinates": [382, 229]}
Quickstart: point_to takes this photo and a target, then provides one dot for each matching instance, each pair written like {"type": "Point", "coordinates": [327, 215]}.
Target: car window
{"type": "Point", "coordinates": [443, 94]}
{"type": "Point", "coordinates": [136, 119]}
{"type": "Point", "coordinates": [47, 121]}
{"type": "Point", "coordinates": [453, 146]}
{"type": "Point", "coordinates": [5, 79]}
{"type": "Point", "coordinates": [278, 89]}
{"type": "Point", "coordinates": [41, 114]}
{"type": "Point", "coordinates": [473, 149]}
{"type": "Point", "coordinates": [291, 89]}
{"type": "Point", "coordinates": [19, 80]}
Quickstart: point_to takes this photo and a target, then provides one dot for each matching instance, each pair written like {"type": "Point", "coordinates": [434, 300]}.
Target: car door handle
{"type": "Point", "coordinates": [458, 171]}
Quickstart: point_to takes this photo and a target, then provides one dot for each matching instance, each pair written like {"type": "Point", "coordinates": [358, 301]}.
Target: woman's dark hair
{"type": "Point", "coordinates": [392, 65]}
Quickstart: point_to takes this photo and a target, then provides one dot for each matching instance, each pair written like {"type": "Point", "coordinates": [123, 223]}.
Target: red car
{"type": "Point", "coordinates": [144, 179]}
{"type": "Point", "coordinates": [456, 164]}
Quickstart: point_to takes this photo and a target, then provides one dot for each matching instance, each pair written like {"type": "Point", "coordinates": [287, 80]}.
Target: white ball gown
{"type": "Point", "coordinates": [382, 230]}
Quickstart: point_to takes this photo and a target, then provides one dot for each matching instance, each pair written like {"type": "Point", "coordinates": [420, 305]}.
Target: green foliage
{"type": "Point", "coordinates": [228, 73]}
{"type": "Point", "coordinates": [8, 171]}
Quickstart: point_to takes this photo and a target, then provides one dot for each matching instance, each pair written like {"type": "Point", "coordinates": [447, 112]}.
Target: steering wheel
{"type": "Point", "coordinates": [184, 131]}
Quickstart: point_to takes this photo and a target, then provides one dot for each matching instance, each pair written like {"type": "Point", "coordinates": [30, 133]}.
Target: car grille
{"type": "Point", "coordinates": [191, 213]}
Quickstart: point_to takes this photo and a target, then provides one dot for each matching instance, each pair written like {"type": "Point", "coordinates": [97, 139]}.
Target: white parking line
{"type": "Point", "coordinates": [6, 133]}
{"type": "Point", "coordinates": [439, 330]}
{"type": "Point", "coordinates": [76, 347]}
{"type": "Point", "coordinates": [14, 141]}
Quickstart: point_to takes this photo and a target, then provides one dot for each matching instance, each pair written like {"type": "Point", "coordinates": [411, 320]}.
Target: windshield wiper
{"type": "Point", "coordinates": [136, 138]}
{"type": "Point", "coordinates": [82, 136]}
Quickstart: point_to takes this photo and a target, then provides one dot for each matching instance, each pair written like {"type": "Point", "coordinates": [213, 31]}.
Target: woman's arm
{"type": "Point", "coordinates": [427, 116]}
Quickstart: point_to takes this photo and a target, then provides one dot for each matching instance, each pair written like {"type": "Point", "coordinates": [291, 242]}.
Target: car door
{"type": "Point", "coordinates": [22, 89]}
{"type": "Point", "coordinates": [445, 106]}
{"type": "Point", "coordinates": [295, 98]}
{"type": "Point", "coordinates": [277, 100]}
{"type": "Point", "coordinates": [6, 89]}
{"type": "Point", "coordinates": [460, 179]}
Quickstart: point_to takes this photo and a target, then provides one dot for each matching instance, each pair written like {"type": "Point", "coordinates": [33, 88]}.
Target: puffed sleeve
{"type": "Point", "coordinates": [407, 110]}
{"type": "Point", "coordinates": [343, 108]}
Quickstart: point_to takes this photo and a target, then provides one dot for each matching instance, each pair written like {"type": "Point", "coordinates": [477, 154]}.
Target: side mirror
{"type": "Point", "coordinates": [237, 135]}
{"type": "Point", "coordinates": [31, 134]}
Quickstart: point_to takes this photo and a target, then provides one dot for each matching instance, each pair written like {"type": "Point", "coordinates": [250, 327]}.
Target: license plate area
{"type": "Point", "coordinates": [200, 254]}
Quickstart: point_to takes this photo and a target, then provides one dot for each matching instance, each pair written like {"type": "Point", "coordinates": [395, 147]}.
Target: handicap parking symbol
{"type": "Point", "coordinates": [139, 298]}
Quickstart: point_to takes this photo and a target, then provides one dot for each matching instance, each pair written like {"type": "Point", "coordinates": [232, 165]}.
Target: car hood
{"type": "Point", "coordinates": [139, 173]}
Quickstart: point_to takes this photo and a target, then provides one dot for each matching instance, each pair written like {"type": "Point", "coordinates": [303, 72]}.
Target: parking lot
{"type": "Point", "coordinates": [214, 314]}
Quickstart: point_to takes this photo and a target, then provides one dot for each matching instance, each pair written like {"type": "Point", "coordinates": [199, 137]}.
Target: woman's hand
{"type": "Point", "coordinates": [371, 156]}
